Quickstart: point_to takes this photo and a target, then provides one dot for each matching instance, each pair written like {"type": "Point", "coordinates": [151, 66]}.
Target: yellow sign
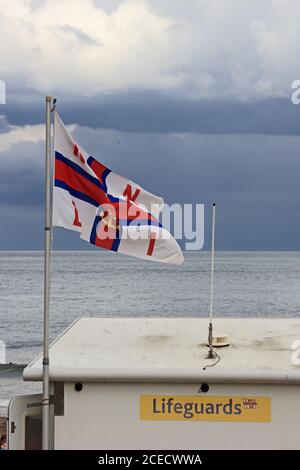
{"type": "Point", "coordinates": [205, 408]}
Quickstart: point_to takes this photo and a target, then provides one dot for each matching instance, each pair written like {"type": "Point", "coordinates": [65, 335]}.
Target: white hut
{"type": "Point", "coordinates": [144, 383]}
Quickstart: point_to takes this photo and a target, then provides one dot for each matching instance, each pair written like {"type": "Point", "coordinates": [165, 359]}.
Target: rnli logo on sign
{"type": "Point", "coordinates": [217, 408]}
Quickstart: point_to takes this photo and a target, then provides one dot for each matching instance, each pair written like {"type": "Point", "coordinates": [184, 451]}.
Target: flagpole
{"type": "Point", "coordinates": [211, 353]}
{"type": "Point", "coordinates": [47, 261]}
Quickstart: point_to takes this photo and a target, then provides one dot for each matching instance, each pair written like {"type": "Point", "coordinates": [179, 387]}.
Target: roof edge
{"type": "Point", "coordinates": [150, 375]}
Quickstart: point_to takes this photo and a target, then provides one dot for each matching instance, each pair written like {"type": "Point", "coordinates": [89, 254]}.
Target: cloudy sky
{"type": "Point", "coordinates": [189, 98]}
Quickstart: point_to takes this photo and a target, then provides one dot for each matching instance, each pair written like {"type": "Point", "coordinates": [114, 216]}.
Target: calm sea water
{"type": "Point", "coordinates": [263, 284]}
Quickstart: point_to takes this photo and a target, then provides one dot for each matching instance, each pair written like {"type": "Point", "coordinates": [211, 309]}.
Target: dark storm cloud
{"type": "Point", "coordinates": [253, 178]}
{"type": "Point", "coordinates": [21, 177]}
{"type": "Point", "coordinates": [146, 112]}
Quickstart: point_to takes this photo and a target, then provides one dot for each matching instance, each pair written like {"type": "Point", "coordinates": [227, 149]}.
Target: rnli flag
{"type": "Point", "coordinates": [106, 209]}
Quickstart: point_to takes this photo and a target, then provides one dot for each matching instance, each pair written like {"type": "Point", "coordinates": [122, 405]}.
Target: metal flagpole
{"type": "Point", "coordinates": [47, 258]}
{"type": "Point", "coordinates": [211, 354]}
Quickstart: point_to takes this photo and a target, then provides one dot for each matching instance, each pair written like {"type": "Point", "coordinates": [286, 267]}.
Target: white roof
{"type": "Point", "coordinates": [171, 349]}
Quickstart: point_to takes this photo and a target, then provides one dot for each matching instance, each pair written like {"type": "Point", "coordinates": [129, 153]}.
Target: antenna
{"type": "Point", "coordinates": [211, 354]}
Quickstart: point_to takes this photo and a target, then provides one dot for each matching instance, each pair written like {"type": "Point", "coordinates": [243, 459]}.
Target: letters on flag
{"type": "Point", "coordinates": [107, 209]}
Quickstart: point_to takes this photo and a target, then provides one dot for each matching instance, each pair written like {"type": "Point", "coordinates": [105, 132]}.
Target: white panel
{"type": "Point", "coordinates": [106, 416]}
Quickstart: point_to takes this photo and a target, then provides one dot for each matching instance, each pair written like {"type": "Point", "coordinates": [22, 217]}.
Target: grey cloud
{"type": "Point", "coordinates": [160, 113]}
{"type": "Point", "coordinates": [81, 36]}
{"type": "Point", "coordinates": [4, 126]}
{"type": "Point", "coordinates": [21, 176]}
{"type": "Point", "coordinates": [243, 154]}
{"type": "Point", "coordinates": [208, 49]}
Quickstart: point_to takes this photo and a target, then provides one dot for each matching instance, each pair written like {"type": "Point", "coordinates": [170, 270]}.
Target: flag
{"type": "Point", "coordinates": [107, 209]}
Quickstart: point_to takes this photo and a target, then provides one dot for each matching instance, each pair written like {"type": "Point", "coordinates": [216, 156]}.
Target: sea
{"type": "Point", "coordinates": [97, 283]}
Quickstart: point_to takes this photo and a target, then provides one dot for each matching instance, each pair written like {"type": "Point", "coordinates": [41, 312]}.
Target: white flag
{"type": "Point", "coordinates": [107, 209]}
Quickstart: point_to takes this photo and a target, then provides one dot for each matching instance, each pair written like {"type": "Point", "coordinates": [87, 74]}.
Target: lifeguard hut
{"type": "Point", "coordinates": [145, 383]}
